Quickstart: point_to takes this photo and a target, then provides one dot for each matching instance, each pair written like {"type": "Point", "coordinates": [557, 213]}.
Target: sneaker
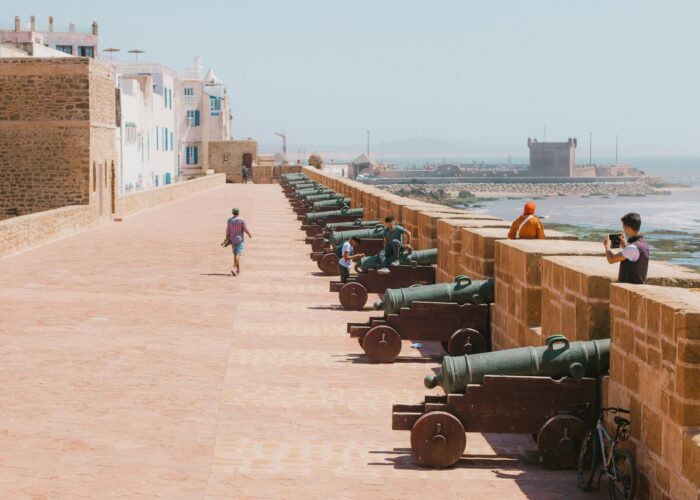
{"type": "Point", "coordinates": [233, 273]}
{"type": "Point", "coordinates": [395, 263]}
{"type": "Point", "coordinates": [383, 270]}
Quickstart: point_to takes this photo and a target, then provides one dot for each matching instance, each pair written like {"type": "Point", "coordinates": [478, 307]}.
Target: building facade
{"type": "Point", "coordinates": [147, 135]}
{"type": "Point", "coordinates": [203, 115]}
{"type": "Point", "coordinates": [552, 159]}
{"type": "Point", "coordinates": [57, 135]}
{"type": "Point", "coordinates": [71, 41]}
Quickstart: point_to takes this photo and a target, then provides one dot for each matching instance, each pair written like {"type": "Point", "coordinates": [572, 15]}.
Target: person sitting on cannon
{"type": "Point", "coordinates": [395, 238]}
{"type": "Point", "coordinates": [346, 256]}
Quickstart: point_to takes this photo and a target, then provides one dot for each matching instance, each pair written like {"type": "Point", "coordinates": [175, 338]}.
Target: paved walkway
{"type": "Point", "coordinates": [132, 365]}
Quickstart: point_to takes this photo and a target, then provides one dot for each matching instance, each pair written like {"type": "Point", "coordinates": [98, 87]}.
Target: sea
{"type": "Point", "coordinates": [670, 222]}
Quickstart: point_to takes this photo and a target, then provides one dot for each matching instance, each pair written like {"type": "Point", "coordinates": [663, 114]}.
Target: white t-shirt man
{"type": "Point", "coordinates": [347, 247]}
{"type": "Point", "coordinates": [631, 252]}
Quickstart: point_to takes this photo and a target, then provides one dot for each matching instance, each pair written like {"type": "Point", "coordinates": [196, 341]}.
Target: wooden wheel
{"type": "Point", "coordinates": [314, 230]}
{"type": "Point", "coordinates": [318, 244]}
{"type": "Point", "coordinates": [353, 296]}
{"type": "Point", "coordinates": [438, 439]}
{"type": "Point", "coordinates": [329, 264]}
{"type": "Point", "coordinates": [559, 440]}
{"type": "Point", "coordinates": [382, 344]}
{"type": "Point", "coordinates": [466, 341]}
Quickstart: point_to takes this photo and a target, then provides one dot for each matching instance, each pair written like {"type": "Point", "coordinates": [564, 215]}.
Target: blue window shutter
{"type": "Point", "coordinates": [171, 141]}
{"type": "Point", "coordinates": [196, 118]}
{"type": "Point", "coordinates": [157, 140]}
{"type": "Point", "coordinates": [196, 151]}
{"type": "Point", "coordinates": [187, 155]}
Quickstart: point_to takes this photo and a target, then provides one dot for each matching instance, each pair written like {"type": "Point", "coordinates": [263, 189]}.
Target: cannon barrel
{"type": "Point", "coordinates": [294, 175]}
{"type": "Point", "coordinates": [303, 184]}
{"type": "Point", "coordinates": [462, 291]}
{"type": "Point", "coordinates": [338, 237]}
{"type": "Point", "coordinates": [345, 211]}
{"type": "Point", "coordinates": [416, 257]}
{"type": "Point", "coordinates": [559, 358]}
{"type": "Point", "coordinates": [304, 193]}
{"type": "Point", "coordinates": [300, 188]}
{"type": "Point", "coordinates": [327, 204]}
{"type": "Point", "coordinates": [332, 226]}
{"type": "Point", "coordinates": [321, 197]}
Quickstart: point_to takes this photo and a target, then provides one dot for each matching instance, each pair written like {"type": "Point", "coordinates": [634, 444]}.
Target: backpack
{"type": "Point", "coordinates": [339, 251]}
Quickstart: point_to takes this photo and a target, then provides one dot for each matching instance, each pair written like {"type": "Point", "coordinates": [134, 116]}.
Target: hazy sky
{"type": "Point", "coordinates": [486, 72]}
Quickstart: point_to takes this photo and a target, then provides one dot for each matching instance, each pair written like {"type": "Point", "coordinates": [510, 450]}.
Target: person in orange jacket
{"type": "Point", "coordinates": [527, 226]}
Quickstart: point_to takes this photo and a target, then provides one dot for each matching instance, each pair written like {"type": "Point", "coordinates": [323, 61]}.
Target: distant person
{"type": "Point", "coordinates": [528, 226]}
{"type": "Point", "coordinates": [236, 230]}
{"type": "Point", "coordinates": [244, 174]}
{"type": "Point", "coordinates": [634, 254]}
{"type": "Point", "coordinates": [347, 255]}
{"type": "Point", "coordinates": [395, 238]}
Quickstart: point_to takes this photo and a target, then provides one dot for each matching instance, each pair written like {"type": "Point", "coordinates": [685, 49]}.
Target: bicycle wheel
{"type": "Point", "coordinates": [623, 486]}
{"type": "Point", "coordinates": [588, 460]}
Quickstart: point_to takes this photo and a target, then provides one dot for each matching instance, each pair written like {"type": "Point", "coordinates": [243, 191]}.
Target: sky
{"type": "Point", "coordinates": [480, 72]}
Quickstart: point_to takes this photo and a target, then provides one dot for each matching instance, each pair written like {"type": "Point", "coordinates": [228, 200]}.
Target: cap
{"type": "Point", "coordinates": [235, 211]}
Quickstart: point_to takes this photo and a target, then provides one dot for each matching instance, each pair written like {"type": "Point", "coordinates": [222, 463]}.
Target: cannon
{"type": "Point", "coordinates": [340, 226]}
{"type": "Point", "coordinates": [551, 411]}
{"type": "Point", "coordinates": [575, 359]}
{"type": "Point", "coordinates": [302, 206]}
{"type": "Point", "coordinates": [457, 315]}
{"type": "Point", "coordinates": [462, 291]}
{"type": "Point", "coordinates": [512, 391]}
{"type": "Point", "coordinates": [319, 219]}
{"type": "Point", "coordinates": [414, 258]}
{"type": "Point", "coordinates": [316, 206]}
{"type": "Point", "coordinates": [320, 243]}
{"type": "Point", "coordinates": [353, 294]}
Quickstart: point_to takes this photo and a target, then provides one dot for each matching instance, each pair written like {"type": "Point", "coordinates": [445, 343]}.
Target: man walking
{"type": "Point", "coordinates": [347, 255]}
{"type": "Point", "coordinates": [634, 256]}
{"type": "Point", "coordinates": [528, 226]}
{"type": "Point", "coordinates": [235, 233]}
{"type": "Point", "coordinates": [244, 174]}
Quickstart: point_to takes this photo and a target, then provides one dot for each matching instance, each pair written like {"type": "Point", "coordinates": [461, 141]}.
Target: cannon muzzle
{"type": "Point", "coordinates": [559, 358]}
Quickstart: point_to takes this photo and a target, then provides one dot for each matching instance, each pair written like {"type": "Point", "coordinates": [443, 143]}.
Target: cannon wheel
{"type": "Point", "coordinates": [465, 341]}
{"type": "Point", "coordinates": [329, 264]}
{"type": "Point", "coordinates": [353, 296]}
{"type": "Point", "coordinates": [382, 344]}
{"type": "Point", "coordinates": [317, 245]}
{"type": "Point", "coordinates": [314, 230]}
{"type": "Point", "coordinates": [559, 440]}
{"type": "Point", "coordinates": [438, 439]}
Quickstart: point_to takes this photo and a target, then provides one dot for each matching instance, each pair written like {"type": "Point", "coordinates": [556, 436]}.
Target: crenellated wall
{"type": "Point", "coordinates": [563, 286]}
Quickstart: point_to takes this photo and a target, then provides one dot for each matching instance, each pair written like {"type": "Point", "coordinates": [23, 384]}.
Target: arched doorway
{"type": "Point", "coordinates": [247, 160]}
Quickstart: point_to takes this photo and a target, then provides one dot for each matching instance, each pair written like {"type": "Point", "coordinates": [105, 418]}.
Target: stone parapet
{"type": "Point", "coordinates": [136, 202]}
{"type": "Point", "coordinates": [576, 293]}
{"type": "Point", "coordinates": [29, 231]}
{"type": "Point", "coordinates": [518, 305]}
{"type": "Point", "coordinates": [655, 372]}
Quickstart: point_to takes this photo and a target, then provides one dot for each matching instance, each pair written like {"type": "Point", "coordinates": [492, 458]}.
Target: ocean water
{"type": "Point", "coordinates": [671, 223]}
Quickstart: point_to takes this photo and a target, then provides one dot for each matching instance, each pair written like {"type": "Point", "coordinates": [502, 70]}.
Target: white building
{"type": "Point", "coordinates": [81, 42]}
{"type": "Point", "coordinates": [203, 114]}
{"type": "Point", "coordinates": [148, 134]}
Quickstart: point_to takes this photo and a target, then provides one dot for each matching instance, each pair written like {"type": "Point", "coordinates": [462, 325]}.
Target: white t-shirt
{"type": "Point", "coordinates": [631, 252]}
{"type": "Point", "coordinates": [347, 247]}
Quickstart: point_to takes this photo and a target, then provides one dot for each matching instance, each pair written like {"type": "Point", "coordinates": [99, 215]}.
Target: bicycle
{"type": "Point", "coordinates": [618, 464]}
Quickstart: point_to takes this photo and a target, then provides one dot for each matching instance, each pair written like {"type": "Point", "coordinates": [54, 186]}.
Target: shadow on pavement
{"type": "Point", "coordinates": [361, 359]}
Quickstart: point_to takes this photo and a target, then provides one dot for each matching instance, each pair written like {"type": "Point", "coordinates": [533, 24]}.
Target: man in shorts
{"type": "Point", "coordinates": [235, 233]}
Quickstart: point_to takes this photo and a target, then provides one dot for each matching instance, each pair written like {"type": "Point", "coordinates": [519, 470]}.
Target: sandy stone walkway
{"type": "Point", "coordinates": [134, 366]}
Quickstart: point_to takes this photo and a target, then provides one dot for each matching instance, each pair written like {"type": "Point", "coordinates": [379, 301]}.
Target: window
{"type": "Point", "coordinates": [193, 118]}
{"type": "Point", "coordinates": [189, 94]}
{"type": "Point", "coordinates": [215, 106]}
{"type": "Point", "coordinates": [171, 141]}
{"type": "Point", "coordinates": [157, 138]}
{"type": "Point", "coordinates": [191, 155]}
{"type": "Point", "coordinates": [68, 49]}
{"type": "Point", "coordinates": [85, 51]}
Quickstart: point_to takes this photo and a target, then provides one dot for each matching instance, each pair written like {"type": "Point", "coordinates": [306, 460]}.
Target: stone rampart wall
{"type": "Point", "coordinates": [29, 231]}
{"type": "Point", "coordinates": [558, 285]}
{"type": "Point", "coordinates": [136, 202]}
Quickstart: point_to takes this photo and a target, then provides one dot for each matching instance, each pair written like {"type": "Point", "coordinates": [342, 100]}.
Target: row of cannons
{"type": "Point", "coordinates": [550, 392]}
